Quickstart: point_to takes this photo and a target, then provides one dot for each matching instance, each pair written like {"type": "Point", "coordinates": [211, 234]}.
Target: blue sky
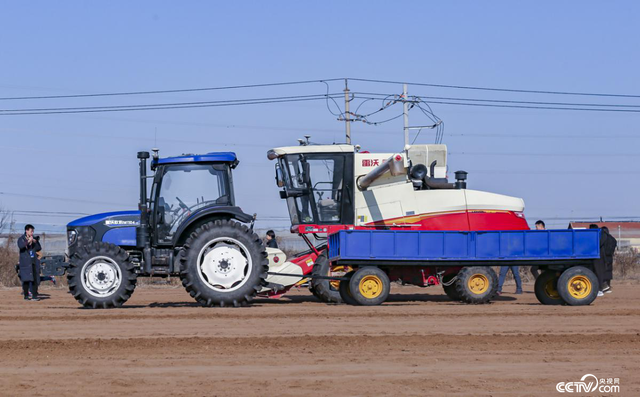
{"type": "Point", "coordinates": [564, 164]}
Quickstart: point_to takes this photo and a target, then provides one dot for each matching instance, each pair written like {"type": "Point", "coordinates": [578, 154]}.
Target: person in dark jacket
{"type": "Point", "coordinates": [271, 239]}
{"type": "Point", "coordinates": [598, 264]}
{"type": "Point", "coordinates": [29, 245]}
{"type": "Point", "coordinates": [610, 245]}
{"type": "Point", "coordinates": [535, 270]}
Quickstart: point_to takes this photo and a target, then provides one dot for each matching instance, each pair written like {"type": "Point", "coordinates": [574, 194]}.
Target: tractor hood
{"type": "Point", "coordinates": [109, 219]}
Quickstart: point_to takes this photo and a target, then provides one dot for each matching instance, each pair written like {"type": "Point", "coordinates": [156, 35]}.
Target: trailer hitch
{"type": "Point", "coordinates": [54, 265]}
{"type": "Point", "coordinates": [309, 276]}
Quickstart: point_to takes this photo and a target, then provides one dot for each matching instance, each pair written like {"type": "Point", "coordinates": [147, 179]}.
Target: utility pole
{"type": "Point", "coordinates": [405, 112]}
{"type": "Point", "coordinates": [346, 111]}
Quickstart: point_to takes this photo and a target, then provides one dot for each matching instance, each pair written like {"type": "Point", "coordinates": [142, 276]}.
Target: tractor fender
{"type": "Point", "coordinates": [205, 215]}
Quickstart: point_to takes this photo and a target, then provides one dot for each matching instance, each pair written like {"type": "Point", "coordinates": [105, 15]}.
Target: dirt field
{"type": "Point", "coordinates": [419, 344]}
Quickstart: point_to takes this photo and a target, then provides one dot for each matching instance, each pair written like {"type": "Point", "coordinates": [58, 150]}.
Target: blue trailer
{"type": "Point", "coordinates": [461, 261]}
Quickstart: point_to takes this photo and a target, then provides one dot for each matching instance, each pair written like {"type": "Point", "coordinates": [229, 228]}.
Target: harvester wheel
{"type": "Point", "coordinates": [345, 290]}
{"type": "Point", "coordinates": [323, 289]}
{"type": "Point", "coordinates": [370, 286]}
{"type": "Point", "coordinates": [476, 284]}
{"type": "Point", "coordinates": [224, 263]}
{"type": "Point", "coordinates": [451, 290]}
{"type": "Point", "coordinates": [546, 288]}
{"type": "Point", "coordinates": [101, 276]}
{"type": "Point", "coordinates": [578, 286]}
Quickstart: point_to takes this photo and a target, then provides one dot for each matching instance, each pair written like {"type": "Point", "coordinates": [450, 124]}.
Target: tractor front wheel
{"type": "Point", "coordinates": [476, 284]}
{"type": "Point", "coordinates": [101, 276]}
{"type": "Point", "coordinates": [224, 263]}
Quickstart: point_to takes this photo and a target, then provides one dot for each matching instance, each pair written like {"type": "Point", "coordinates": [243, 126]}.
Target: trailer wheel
{"type": "Point", "coordinates": [223, 264]}
{"type": "Point", "coordinates": [451, 290]}
{"type": "Point", "coordinates": [546, 288]}
{"type": "Point", "coordinates": [476, 284]}
{"type": "Point", "coordinates": [370, 286]}
{"type": "Point", "coordinates": [578, 286]}
{"type": "Point", "coordinates": [325, 290]}
{"type": "Point", "coordinates": [345, 290]}
{"type": "Point", "coordinates": [101, 276]}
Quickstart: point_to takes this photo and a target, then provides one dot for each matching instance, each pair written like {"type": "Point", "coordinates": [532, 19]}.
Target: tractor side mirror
{"type": "Point", "coordinates": [279, 176]}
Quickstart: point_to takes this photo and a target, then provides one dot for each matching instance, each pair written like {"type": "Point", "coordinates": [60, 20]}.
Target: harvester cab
{"type": "Point", "coordinates": [189, 226]}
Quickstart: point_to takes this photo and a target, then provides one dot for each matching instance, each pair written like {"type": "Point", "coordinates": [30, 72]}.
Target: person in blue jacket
{"type": "Point", "coordinates": [29, 245]}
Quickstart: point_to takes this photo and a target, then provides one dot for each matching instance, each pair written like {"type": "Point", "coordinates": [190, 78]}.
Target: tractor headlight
{"type": "Point", "coordinates": [72, 237]}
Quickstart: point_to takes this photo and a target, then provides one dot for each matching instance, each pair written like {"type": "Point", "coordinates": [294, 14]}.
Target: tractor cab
{"type": "Point", "coordinates": [317, 183]}
{"type": "Point", "coordinates": [187, 187]}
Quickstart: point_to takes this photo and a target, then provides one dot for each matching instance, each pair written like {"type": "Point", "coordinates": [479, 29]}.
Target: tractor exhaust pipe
{"type": "Point", "coordinates": [394, 165]}
{"type": "Point", "coordinates": [142, 231]}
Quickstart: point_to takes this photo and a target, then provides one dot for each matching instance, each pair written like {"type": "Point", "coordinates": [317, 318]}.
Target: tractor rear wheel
{"type": "Point", "coordinates": [325, 290]}
{"type": "Point", "coordinates": [578, 286]}
{"type": "Point", "coordinates": [546, 288]}
{"type": "Point", "coordinates": [345, 290]}
{"type": "Point", "coordinates": [101, 276]}
{"type": "Point", "coordinates": [370, 286]}
{"type": "Point", "coordinates": [477, 284]}
{"type": "Point", "coordinates": [224, 263]}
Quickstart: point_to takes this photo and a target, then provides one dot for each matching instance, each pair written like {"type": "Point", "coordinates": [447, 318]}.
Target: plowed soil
{"type": "Point", "coordinates": [419, 343]}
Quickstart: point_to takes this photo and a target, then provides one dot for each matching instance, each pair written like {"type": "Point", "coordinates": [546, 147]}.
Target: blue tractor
{"type": "Point", "coordinates": [189, 226]}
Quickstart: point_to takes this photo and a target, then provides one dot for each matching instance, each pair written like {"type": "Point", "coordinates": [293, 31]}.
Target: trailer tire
{"type": "Point", "coordinates": [451, 290]}
{"type": "Point", "coordinates": [224, 263]}
{"type": "Point", "coordinates": [345, 290]}
{"type": "Point", "coordinates": [101, 276]}
{"type": "Point", "coordinates": [578, 286]}
{"type": "Point", "coordinates": [476, 284]}
{"type": "Point", "coordinates": [546, 288]}
{"type": "Point", "coordinates": [370, 286]}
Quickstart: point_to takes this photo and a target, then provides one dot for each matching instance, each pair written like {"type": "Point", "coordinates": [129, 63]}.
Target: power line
{"type": "Point", "coordinates": [244, 86]}
{"type": "Point", "coordinates": [470, 102]}
{"type": "Point", "coordinates": [154, 92]}
{"type": "Point", "coordinates": [185, 105]}
{"type": "Point", "coordinates": [514, 101]}
{"type": "Point", "coordinates": [548, 154]}
{"type": "Point", "coordinates": [462, 87]}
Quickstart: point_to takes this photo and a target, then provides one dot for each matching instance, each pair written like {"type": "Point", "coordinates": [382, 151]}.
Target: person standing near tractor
{"type": "Point", "coordinates": [271, 239]}
{"type": "Point", "coordinates": [29, 246]}
{"type": "Point", "coordinates": [515, 270]}
{"type": "Point", "coordinates": [610, 245]}
{"type": "Point", "coordinates": [534, 269]}
{"type": "Point", "coordinates": [599, 266]}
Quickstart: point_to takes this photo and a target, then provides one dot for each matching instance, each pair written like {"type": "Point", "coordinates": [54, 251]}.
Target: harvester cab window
{"type": "Point", "coordinates": [184, 189]}
{"type": "Point", "coordinates": [318, 179]}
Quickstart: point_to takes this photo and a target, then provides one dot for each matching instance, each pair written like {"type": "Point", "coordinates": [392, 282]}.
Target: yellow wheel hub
{"type": "Point", "coordinates": [338, 271]}
{"type": "Point", "coordinates": [550, 289]}
{"type": "Point", "coordinates": [478, 284]}
{"type": "Point", "coordinates": [579, 287]}
{"type": "Point", "coordinates": [370, 287]}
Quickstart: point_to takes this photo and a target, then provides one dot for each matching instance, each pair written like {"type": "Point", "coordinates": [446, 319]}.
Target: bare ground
{"type": "Point", "coordinates": [419, 343]}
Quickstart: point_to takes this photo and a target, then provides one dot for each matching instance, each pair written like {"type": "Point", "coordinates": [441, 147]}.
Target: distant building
{"type": "Point", "coordinates": [626, 232]}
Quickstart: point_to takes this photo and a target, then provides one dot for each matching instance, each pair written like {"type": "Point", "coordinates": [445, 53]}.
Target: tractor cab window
{"type": "Point", "coordinates": [184, 189]}
{"type": "Point", "coordinates": [315, 185]}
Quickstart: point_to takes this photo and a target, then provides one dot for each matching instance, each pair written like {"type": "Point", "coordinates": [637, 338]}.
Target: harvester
{"type": "Point", "coordinates": [329, 188]}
